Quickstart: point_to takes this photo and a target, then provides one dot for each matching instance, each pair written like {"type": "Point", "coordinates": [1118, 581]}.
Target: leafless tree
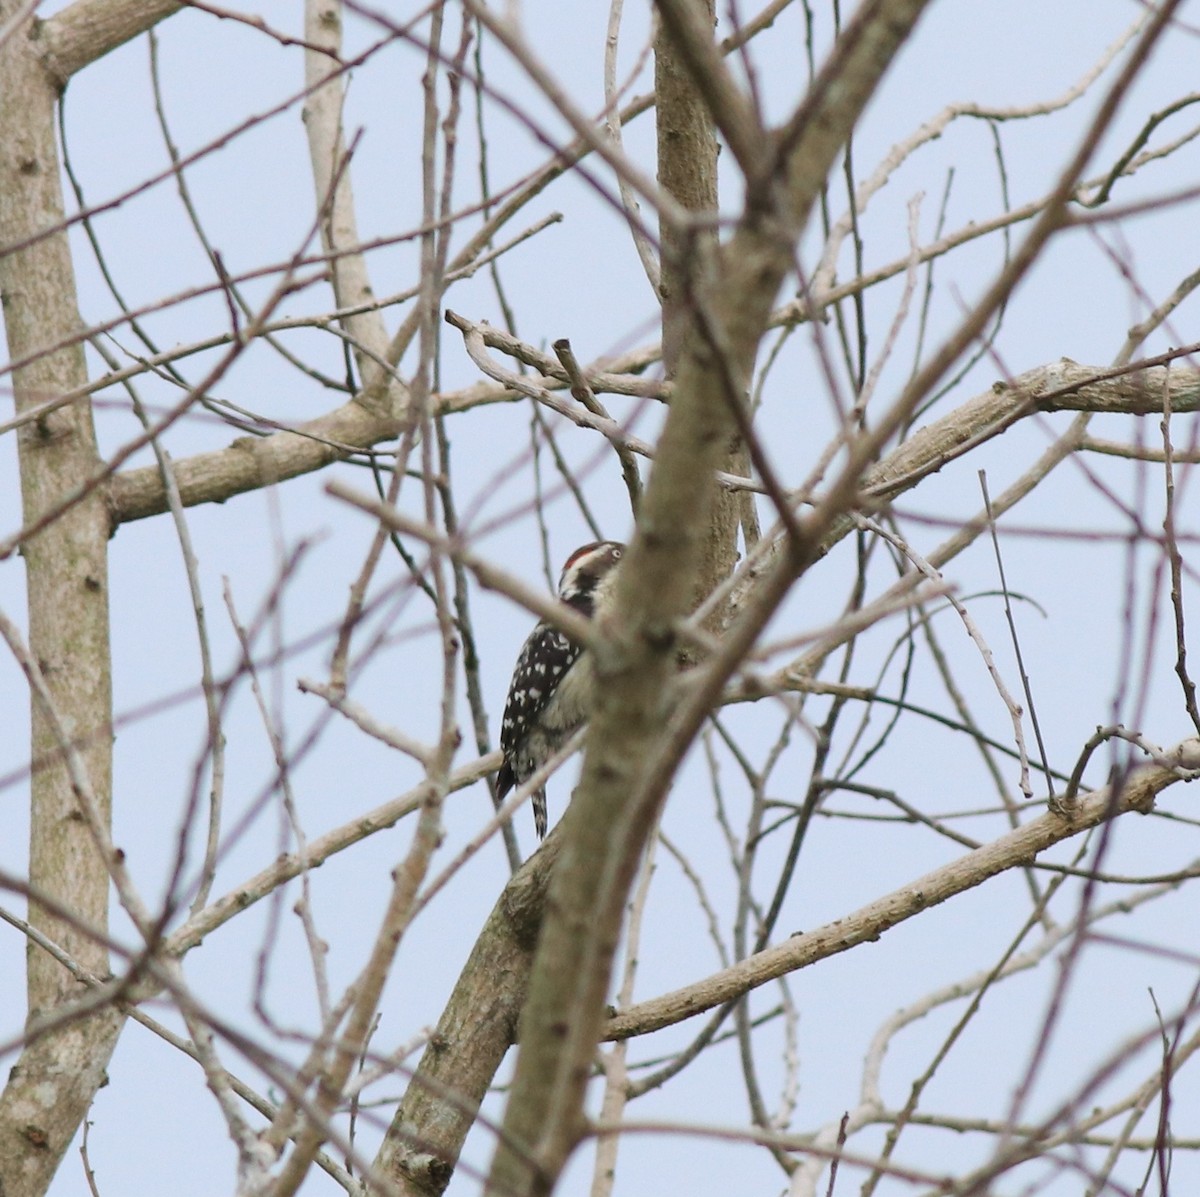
{"type": "Point", "coordinates": [903, 617]}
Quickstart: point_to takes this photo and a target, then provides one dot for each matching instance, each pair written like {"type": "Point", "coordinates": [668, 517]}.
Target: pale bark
{"type": "Point", "coordinates": [251, 462]}
{"type": "Point", "coordinates": [687, 170]}
{"type": "Point", "coordinates": [88, 29]}
{"type": "Point", "coordinates": [335, 198]}
{"type": "Point", "coordinates": [621, 790]}
{"type": "Point", "coordinates": [476, 1029]}
{"type": "Point", "coordinates": [53, 1082]}
{"type": "Point", "coordinates": [1014, 850]}
{"type": "Point", "coordinates": [716, 307]}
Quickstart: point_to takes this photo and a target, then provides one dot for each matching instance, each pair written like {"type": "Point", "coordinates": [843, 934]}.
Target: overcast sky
{"type": "Point", "coordinates": [581, 279]}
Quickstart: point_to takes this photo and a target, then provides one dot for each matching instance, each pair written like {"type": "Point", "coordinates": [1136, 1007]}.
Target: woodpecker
{"type": "Point", "coordinates": [550, 695]}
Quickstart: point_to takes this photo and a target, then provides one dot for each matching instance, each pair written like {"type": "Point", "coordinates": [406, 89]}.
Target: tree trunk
{"type": "Point", "coordinates": [52, 1084]}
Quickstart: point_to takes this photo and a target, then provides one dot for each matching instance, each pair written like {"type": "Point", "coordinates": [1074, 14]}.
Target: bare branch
{"type": "Point", "coordinates": [86, 30]}
{"type": "Point", "coordinates": [1010, 851]}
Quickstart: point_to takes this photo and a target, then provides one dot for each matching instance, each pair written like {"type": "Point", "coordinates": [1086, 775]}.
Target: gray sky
{"type": "Point", "coordinates": [581, 279]}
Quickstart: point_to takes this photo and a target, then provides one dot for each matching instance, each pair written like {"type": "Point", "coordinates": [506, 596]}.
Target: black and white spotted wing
{"type": "Point", "coordinates": [546, 656]}
{"type": "Point", "coordinates": [550, 696]}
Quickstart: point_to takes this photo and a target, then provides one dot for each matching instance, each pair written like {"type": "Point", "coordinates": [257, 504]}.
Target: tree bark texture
{"type": "Point", "coordinates": [687, 170]}
{"type": "Point", "coordinates": [624, 780]}
{"type": "Point", "coordinates": [476, 1029]}
{"type": "Point", "coordinates": [52, 1084]}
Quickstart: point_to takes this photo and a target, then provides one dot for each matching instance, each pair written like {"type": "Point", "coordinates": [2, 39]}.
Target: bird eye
{"type": "Point", "coordinates": [616, 552]}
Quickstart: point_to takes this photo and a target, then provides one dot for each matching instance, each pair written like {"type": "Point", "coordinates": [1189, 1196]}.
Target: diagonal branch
{"type": "Point", "coordinates": [89, 29]}
{"type": "Point", "coordinates": [476, 1029]}
{"type": "Point", "coordinates": [616, 803]}
{"type": "Point", "coordinates": [1014, 850]}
